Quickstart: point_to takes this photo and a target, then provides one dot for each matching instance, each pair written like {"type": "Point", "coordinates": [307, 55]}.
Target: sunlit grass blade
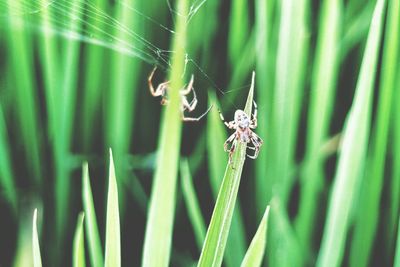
{"type": "Point", "coordinates": [218, 230]}
{"type": "Point", "coordinates": [353, 150]}
{"type": "Point", "coordinates": [255, 253]}
{"type": "Point", "coordinates": [24, 252]}
{"type": "Point", "coordinates": [216, 136]}
{"type": "Point", "coordinates": [7, 184]}
{"type": "Point", "coordinates": [323, 88]}
{"type": "Point", "coordinates": [192, 204]}
{"type": "Point", "coordinates": [92, 231]}
{"type": "Point", "coordinates": [369, 207]}
{"type": "Point", "coordinates": [37, 259]}
{"type": "Point", "coordinates": [113, 233]}
{"type": "Point", "coordinates": [79, 244]}
{"type": "Point", "coordinates": [159, 227]}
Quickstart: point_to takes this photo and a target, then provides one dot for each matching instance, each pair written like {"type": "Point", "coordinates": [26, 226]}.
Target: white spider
{"type": "Point", "coordinates": [162, 89]}
{"type": "Point", "coordinates": [242, 125]}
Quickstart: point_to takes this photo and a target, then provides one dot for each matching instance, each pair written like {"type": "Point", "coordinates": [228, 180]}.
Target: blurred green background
{"type": "Point", "coordinates": [73, 83]}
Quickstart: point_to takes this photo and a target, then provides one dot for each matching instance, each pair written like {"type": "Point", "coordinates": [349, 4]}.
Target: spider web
{"type": "Point", "coordinates": [99, 27]}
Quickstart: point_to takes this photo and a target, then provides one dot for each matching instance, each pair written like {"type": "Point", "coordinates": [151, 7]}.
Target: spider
{"type": "Point", "coordinates": [242, 125]}
{"type": "Point", "coordinates": [162, 89]}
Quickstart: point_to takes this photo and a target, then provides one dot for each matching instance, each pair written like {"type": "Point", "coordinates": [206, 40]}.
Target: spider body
{"type": "Point", "coordinates": [162, 90]}
{"type": "Point", "coordinates": [243, 126]}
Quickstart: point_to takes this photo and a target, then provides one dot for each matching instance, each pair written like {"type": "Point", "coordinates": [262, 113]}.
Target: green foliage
{"type": "Point", "coordinates": [255, 253]}
{"type": "Point", "coordinates": [192, 204]}
{"type": "Point", "coordinates": [158, 237]}
{"type": "Point", "coordinates": [74, 83]}
{"type": "Point", "coordinates": [113, 234]}
{"type": "Point", "coordinates": [92, 231]}
{"type": "Point", "coordinates": [79, 244]}
{"type": "Point", "coordinates": [352, 158]}
{"type": "Point", "coordinates": [37, 259]}
{"type": "Point", "coordinates": [218, 229]}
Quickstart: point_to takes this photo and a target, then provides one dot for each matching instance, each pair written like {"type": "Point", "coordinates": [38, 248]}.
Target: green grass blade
{"type": "Point", "coordinates": [23, 87]}
{"type": "Point", "coordinates": [121, 93]}
{"type": "Point", "coordinates": [24, 251]}
{"type": "Point", "coordinates": [353, 150]}
{"type": "Point", "coordinates": [255, 253]}
{"type": "Point", "coordinates": [79, 245]}
{"type": "Point", "coordinates": [192, 204]}
{"type": "Point", "coordinates": [239, 29]}
{"type": "Point", "coordinates": [159, 228]}
{"type": "Point", "coordinates": [291, 61]}
{"type": "Point", "coordinates": [216, 136]}
{"type": "Point", "coordinates": [92, 84]}
{"type": "Point", "coordinates": [265, 62]}
{"type": "Point", "coordinates": [37, 259]}
{"type": "Point", "coordinates": [92, 231]}
{"type": "Point", "coordinates": [218, 230]}
{"type": "Point", "coordinates": [394, 198]}
{"type": "Point", "coordinates": [66, 93]}
{"type": "Point", "coordinates": [113, 233]}
{"type": "Point", "coordinates": [6, 173]}
{"type": "Point", "coordinates": [323, 89]}
{"type": "Point", "coordinates": [283, 248]}
{"type": "Point", "coordinates": [397, 255]}
{"type": "Point", "coordinates": [369, 208]}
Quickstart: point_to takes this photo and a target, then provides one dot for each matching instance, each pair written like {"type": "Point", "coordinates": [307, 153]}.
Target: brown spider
{"type": "Point", "coordinates": [162, 89]}
{"type": "Point", "coordinates": [242, 125]}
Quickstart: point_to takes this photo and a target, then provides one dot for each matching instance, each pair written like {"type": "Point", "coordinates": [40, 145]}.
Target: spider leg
{"type": "Point", "coordinates": [233, 147]}
{"type": "Point", "coordinates": [161, 88]}
{"type": "Point", "coordinates": [186, 90]}
{"type": "Point", "coordinates": [253, 123]}
{"type": "Point", "coordinates": [257, 142]}
{"type": "Point", "coordinates": [229, 140]}
{"type": "Point", "coordinates": [230, 125]}
{"type": "Point", "coordinates": [197, 118]}
{"type": "Point", "coordinates": [190, 107]}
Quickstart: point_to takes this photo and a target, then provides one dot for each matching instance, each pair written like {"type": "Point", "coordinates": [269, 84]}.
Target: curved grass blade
{"type": "Point", "coordinates": [216, 136]}
{"type": "Point", "coordinates": [353, 150]}
{"type": "Point", "coordinates": [92, 231]}
{"type": "Point", "coordinates": [37, 260]}
{"type": "Point", "coordinates": [218, 230]}
{"type": "Point", "coordinates": [192, 204]}
{"type": "Point", "coordinates": [369, 208]}
{"type": "Point", "coordinates": [113, 233]}
{"type": "Point", "coordinates": [159, 228]}
{"type": "Point", "coordinates": [79, 247]}
{"type": "Point", "coordinates": [255, 253]}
